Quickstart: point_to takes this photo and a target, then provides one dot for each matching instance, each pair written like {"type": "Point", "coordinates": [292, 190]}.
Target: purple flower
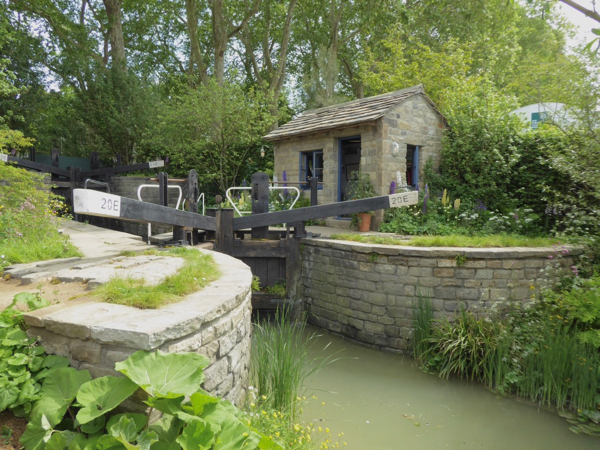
{"type": "Point", "coordinates": [244, 183]}
{"type": "Point", "coordinates": [285, 192]}
{"type": "Point", "coordinates": [480, 205]}
{"type": "Point", "coordinates": [393, 187]}
{"type": "Point", "coordinates": [550, 257]}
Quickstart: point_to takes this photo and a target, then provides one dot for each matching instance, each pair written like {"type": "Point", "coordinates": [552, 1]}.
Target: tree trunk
{"type": "Point", "coordinates": [115, 34]}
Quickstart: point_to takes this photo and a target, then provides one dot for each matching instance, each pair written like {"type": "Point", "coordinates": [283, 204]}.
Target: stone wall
{"type": "Point", "coordinates": [367, 292]}
{"type": "Point", "coordinates": [214, 322]}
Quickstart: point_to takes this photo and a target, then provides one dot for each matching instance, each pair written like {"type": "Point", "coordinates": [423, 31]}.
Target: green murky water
{"type": "Point", "coordinates": [382, 401]}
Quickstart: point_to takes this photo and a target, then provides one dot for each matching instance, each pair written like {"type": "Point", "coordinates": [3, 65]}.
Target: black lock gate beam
{"type": "Point", "coordinates": [95, 203]}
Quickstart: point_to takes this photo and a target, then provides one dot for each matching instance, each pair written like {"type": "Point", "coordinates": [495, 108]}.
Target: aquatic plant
{"type": "Point", "coordinates": [281, 362]}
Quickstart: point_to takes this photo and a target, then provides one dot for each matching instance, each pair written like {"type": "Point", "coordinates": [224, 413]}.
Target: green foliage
{"type": "Point", "coordinates": [29, 219]}
{"type": "Point", "coordinates": [536, 351]}
{"type": "Point", "coordinates": [198, 270]}
{"type": "Point", "coordinates": [278, 289]}
{"type": "Point", "coordinates": [224, 136]}
{"type": "Point", "coordinates": [75, 412]}
{"type": "Point", "coordinates": [23, 364]}
{"type": "Point", "coordinates": [281, 363]}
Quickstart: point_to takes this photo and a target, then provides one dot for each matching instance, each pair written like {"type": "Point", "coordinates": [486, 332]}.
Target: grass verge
{"type": "Point", "coordinates": [198, 270]}
{"type": "Point", "coordinates": [499, 240]}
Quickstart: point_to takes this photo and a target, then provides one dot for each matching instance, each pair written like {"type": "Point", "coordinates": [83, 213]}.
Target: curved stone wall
{"type": "Point", "coordinates": [214, 322]}
{"type": "Point", "coordinates": [367, 292]}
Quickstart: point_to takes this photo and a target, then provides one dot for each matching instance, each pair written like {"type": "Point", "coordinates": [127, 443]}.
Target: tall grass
{"type": "Point", "coordinates": [422, 328]}
{"type": "Point", "coordinates": [282, 362]}
{"type": "Point", "coordinates": [518, 352]}
{"type": "Point", "coordinates": [562, 372]}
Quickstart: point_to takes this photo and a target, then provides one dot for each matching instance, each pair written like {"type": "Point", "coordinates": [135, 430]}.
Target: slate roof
{"type": "Point", "coordinates": [349, 113]}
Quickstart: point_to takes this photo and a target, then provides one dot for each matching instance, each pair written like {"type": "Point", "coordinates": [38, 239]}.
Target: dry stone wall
{"type": "Point", "coordinates": [367, 292]}
{"type": "Point", "coordinates": [214, 322]}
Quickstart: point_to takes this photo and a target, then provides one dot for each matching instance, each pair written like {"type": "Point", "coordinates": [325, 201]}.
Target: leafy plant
{"type": "Point", "coordinates": [281, 363]}
{"type": "Point", "coordinates": [29, 219]}
{"type": "Point", "coordinates": [278, 289]}
{"type": "Point", "coordinates": [77, 412]}
{"type": "Point", "coordinates": [23, 364]}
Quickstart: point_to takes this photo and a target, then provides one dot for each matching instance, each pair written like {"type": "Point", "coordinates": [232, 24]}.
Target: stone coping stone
{"type": "Point", "coordinates": [148, 329]}
{"type": "Point", "coordinates": [442, 252]}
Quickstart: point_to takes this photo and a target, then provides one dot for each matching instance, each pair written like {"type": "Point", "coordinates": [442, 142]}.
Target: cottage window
{"type": "Point", "coordinates": [311, 165]}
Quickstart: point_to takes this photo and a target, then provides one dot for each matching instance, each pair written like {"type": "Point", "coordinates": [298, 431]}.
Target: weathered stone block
{"type": "Point", "coordinates": [444, 292]}
{"type": "Point", "coordinates": [226, 343]}
{"type": "Point", "coordinates": [85, 351]}
{"type": "Point", "coordinates": [494, 264]}
{"type": "Point", "coordinates": [215, 374]}
{"type": "Point", "coordinates": [468, 294]}
{"type": "Point", "coordinates": [420, 271]}
{"type": "Point", "coordinates": [443, 272]}
{"type": "Point", "coordinates": [484, 274]}
{"type": "Point", "coordinates": [465, 273]}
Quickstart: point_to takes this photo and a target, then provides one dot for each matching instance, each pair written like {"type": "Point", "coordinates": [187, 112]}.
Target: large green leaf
{"type": "Point", "coordinates": [167, 429]}
{"type": "Point", "coordinates": [125, 431]}
{"type": "Point", "coordinates": [58, 391]}
{"type": "Point", "coordinates": [197, 435]}
{"type": "Point", "coordinates": [200, 399]}
{"type": "Point", "coordinates": [237, 436]}
{"type": "Point", "coordinates": [166, 405]}
{"type": "Point", "coordinates": [140, 420]}
{"type": "Point", "coordinates": [99, 396]}
{"type": "Point", "coordinates": [165, 375]}
{"type": "Point", "coordinates": [8, 395]}
{"type": "Point", "coordinates": [38, 432]}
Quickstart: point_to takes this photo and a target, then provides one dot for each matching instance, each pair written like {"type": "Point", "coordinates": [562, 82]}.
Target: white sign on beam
{"type": "Point", "coordinates": [404, 199]}
{"type": "Point", "coordinates": [155, 164]}
{"type": "Point", "coordinates": [3, 157]}
{"type": "Point", "coordinates": [95, 203]}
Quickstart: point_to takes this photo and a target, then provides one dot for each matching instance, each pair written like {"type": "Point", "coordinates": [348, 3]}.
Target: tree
{"type": "Point", "coordinates": [215, 129]}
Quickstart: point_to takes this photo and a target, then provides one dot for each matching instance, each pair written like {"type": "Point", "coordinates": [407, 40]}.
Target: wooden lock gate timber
{"type": "Point", "coordinates": [272, 256]}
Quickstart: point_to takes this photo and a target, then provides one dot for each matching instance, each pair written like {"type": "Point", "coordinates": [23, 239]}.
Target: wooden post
{"type": "Point", "coordinates": [32, 154]}
{"type": "Point", "coordinates": [54, 157]}
{"type": "Point", "coordinates": [260, 202]}
{"type": "Point", "coordinates": [163, 182]}
{"type": "Point", "coordinates": [193, 191]}
{"type": "Point", "coordinates": [314, 186]}
{"type": "Point", "coordinates": [211, 212]}
{"type": "Point", "coordinates": [94, 161]}
{"type": "Point", "coordinates": [224, 238]}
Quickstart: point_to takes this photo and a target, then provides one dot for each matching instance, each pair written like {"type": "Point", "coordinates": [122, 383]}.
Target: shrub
{"type": "Point", "coordinates": [29, 219]}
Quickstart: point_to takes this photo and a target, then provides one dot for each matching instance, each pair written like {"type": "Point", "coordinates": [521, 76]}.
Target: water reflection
{"type": "Point", "coordinates": [382, 401]}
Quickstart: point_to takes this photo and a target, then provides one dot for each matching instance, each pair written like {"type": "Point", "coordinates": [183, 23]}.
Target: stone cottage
{"type": "Point", "coordinates": [389, 137]}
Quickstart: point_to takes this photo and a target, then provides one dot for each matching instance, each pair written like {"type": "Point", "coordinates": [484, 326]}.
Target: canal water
{"type": "Point", "coordinates": [382, 401]}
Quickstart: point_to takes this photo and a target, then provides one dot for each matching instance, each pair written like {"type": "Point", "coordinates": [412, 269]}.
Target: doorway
{"type": "Point", "coordinates": [349, 162]}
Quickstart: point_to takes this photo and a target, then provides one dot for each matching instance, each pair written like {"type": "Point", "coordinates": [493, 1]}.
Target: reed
{"type": "Point", "coordinates": [422, 325]}
{"type": "Point", "coordinates": [282, 362]}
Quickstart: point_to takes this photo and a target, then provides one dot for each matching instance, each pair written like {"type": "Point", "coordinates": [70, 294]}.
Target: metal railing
{"type": "Point", "coordinates": [249, 188]}
{"type": "Point", "coordinates": [139, 195]}
{"type": "Point", "coordinates": [99, 183]}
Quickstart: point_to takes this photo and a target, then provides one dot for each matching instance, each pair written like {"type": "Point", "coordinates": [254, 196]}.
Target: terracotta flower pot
{"type": "Point", "coordinates": [364, 221]}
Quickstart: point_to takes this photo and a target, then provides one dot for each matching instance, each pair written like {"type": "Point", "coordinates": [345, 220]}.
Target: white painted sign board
{"type": "Point", "coordinates": [87, 201]}
{"type": "Point", "coordinates": [3, 157]}
{"type": "Point", "coordinates": [404, 199]}
{"type": "Point", "coordinates": [155, 164]}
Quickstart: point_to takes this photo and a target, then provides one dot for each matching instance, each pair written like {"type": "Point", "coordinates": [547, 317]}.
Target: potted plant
{"type": "Point", "coordinates": [360, 187]}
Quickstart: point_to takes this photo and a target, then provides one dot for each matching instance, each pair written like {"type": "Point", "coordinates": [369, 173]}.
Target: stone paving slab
{"type": "Point", "coordinates": [147, 329]}
{"type": "Point", "coordinates": [153, 269]}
